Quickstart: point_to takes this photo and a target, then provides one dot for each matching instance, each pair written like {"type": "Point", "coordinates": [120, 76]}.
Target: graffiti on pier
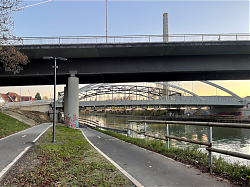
{"type": "Point", "coordinates": [72, 120]}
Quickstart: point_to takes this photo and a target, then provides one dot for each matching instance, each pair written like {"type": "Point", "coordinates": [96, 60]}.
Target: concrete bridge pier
{"type": "Point", "coordinates": [73, 102]}
{"type": "Point", "coordinates": [66, 105]}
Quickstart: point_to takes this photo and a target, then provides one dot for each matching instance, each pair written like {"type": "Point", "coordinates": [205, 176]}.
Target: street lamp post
{"type": "Point", "coordinates": [106, 21]}
{"type": "Point", "coordinates": [29, 95]}
{"type": "Point", "coordinates": [54, 112]}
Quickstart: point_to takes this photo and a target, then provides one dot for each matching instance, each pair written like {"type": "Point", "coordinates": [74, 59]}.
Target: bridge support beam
{"type": "Point", "coordinates": [73, 102]}
{"type": "Point", "coordinates": [66, 105]}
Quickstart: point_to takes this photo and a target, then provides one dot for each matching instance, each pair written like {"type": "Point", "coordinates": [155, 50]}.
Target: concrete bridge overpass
{"type": "Point", "coordinates": [134, 59]}
{"type": "Point", "coordinates": [205, 57]}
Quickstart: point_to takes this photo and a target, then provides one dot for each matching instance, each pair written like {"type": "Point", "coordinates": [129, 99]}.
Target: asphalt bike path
{"type": "Point", "coordinates": [11, 147]}
{"type": "Point", "coordinates": [148, 168]}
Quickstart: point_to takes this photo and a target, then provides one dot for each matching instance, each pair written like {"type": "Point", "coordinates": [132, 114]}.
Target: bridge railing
{"type": "Point", "coordinates": [25, 103]}
{"type": "Point", "coordinates": [129, 39]}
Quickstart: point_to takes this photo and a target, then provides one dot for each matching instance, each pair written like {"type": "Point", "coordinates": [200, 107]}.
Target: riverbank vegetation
{"type": "Point", "coordinates": [238, 174]}
{"type": "Point", "coordinates": [71, 161]}
{"type": "Point", "coordinates": [9, 125]}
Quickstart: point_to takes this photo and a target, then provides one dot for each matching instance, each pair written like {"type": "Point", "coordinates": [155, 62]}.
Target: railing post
{"type": "Point", "coordinates": [167, 133]}
{"type": "Point", "coordinates": [202, 37]}
{"type": "Point", "coordinates": [132, 130]}
{"type": "Point", "coordinates": [128, 131]}
{"type": "Point", "coordinates": [145, 129]}
{"type": "Point", "coordinates": [236, 37]}
{"type": "Point", "coordinates": [149, 39]}
{"type": "Point", "coordinates": [210, 156]}
{"type": "Point", "coordinates": [184, 38]}
{"type": "Point", "coordinates": [59, 41]}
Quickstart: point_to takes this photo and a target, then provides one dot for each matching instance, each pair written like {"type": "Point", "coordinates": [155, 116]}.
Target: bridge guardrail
{"type": "Point", "coordinates": [130, 39]}
{"type": "Point", "coordinates": [25, 103]}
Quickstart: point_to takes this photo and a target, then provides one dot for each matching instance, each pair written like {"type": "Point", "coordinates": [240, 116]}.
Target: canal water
{"type": "Point", "coordinates": [230, 139]}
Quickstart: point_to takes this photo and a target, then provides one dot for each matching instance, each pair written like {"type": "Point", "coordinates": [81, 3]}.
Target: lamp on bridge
{"type": "Point", "coordinates": [54, 114]}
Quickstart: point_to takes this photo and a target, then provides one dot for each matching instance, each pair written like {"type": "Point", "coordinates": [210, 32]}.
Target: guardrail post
{"type": "Point", "coordinates": [149, 39]}
{"type": "Point", "coordinates": [167, 133]}
{"type": "Point", "coordinates": [236, 37]}
{"type": "Point", "coordinates": [210, 156]}
{"type": "Point", "coordinates": [132, 130]}
{"type": "Point", "coordinates": [145, 129]}
{"type": "Point", "coordinates": [128, 131]}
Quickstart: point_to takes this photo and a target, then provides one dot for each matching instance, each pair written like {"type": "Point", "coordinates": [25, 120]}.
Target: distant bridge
{"type": "Point", "coordinates": [107, 95]}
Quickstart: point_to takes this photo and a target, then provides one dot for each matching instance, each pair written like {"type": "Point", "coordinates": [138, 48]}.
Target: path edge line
{"type": "Point", "coordinates": [132, 179]}
{"type": "Point", "coordinates": [20, 154]}
{"type": "Point", "coordinates": [20, 131]}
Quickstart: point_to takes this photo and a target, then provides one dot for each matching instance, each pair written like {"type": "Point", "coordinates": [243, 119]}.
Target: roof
{"type": "Point", "coordinates": [14, 97]}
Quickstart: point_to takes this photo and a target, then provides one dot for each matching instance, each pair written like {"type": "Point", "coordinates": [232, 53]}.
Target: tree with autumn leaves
{"type": "Point", "coordinates": [11, 59]}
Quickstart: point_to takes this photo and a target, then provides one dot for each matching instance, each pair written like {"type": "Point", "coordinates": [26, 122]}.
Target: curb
{"type": "Point", "coordinates": [132, 179]}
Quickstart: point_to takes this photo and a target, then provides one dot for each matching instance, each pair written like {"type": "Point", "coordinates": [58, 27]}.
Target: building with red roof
{"type": "Point", "coordinates": [14, 97]}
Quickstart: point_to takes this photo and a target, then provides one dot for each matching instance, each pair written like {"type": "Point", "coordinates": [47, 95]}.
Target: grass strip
{"type": "Point", "coordinates": [71, 161]}
{"type": "Point", "coordinates": [192, 155]}
{"type": "Point", "coordinates": [9, 125]}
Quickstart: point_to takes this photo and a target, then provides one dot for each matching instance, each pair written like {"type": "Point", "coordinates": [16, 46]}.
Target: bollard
{"type": "Point", "coordinates": [210, 156]}
{"type": "Point", "coordinates": [145, 129]}
{"type": "Point", "coordinates": [167, 133]}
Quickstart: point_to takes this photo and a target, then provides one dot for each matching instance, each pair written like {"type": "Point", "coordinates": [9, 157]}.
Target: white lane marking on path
{"type": "Point", "coordinates": [23, 136]}
{"type": "Point", "coordinates": [98, 137]}
{"type": "Point", "coordinates": [41, 133]}
{"type": "Point", "coordinates": [13, 162]}
{"type": "Point", "coordinates": [20, 155]}
{"type": "Point", "coordinates": [132, 179]}
{"type": "Point", "coordinates": [20, 132]}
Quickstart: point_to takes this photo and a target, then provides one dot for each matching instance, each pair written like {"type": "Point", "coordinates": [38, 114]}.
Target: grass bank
{"type": "Point", "coordinates": [9, 125]}
{"type": "Point", "coordinates": [239, 175]}
{"type": "Point", "coordinates": [69, 162]}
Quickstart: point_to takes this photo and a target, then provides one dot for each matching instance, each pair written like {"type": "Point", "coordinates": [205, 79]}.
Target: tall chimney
{"type": "Point", "coordinates": [165, 27]}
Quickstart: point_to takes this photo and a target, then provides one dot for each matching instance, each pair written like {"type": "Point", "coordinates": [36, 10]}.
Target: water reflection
{"type": "Point", "coordinates": [230, 139]}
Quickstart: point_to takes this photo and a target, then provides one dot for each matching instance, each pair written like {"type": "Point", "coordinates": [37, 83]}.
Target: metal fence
{"type": "Point", "coordinates": [209, 125]}
{"type": "Point", "coordinates": [129, 129]}
{"type": "Point", "coordinates": [129, 39]}
{"type": "Point", "coordinates": [25, 103]}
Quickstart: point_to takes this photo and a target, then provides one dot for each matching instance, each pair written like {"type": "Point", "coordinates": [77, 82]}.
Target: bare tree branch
{"type": "Point", "coordinates": [11, 58]}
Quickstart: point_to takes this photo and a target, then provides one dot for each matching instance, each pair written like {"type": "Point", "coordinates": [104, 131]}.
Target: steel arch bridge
{"type": "Point", "coordinates": [152, 95]}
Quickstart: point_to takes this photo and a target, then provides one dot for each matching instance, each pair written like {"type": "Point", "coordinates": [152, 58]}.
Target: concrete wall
{"type": "Point", "coordinates": [42, 108]}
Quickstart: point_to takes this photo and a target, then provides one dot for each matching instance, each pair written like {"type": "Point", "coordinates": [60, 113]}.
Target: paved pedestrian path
{"type": "Point", "coordinates": [13, 145]}
{"type": "Point", "coordinates": [148, 168]}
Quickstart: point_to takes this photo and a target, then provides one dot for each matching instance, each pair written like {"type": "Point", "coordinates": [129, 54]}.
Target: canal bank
{"type": "Point", "coordinates": [201, 118]}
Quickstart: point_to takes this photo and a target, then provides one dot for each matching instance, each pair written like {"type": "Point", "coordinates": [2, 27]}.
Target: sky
{"type": "Point", "coordinates": [88, 18]}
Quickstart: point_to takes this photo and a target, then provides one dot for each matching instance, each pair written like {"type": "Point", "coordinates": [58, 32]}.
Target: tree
{"type": "Point", "coordinates": [45, 98]}
{"type": "Point", "coordinates": [11, 58]}
{"type": "Point", "coordinates": [38, 96]}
